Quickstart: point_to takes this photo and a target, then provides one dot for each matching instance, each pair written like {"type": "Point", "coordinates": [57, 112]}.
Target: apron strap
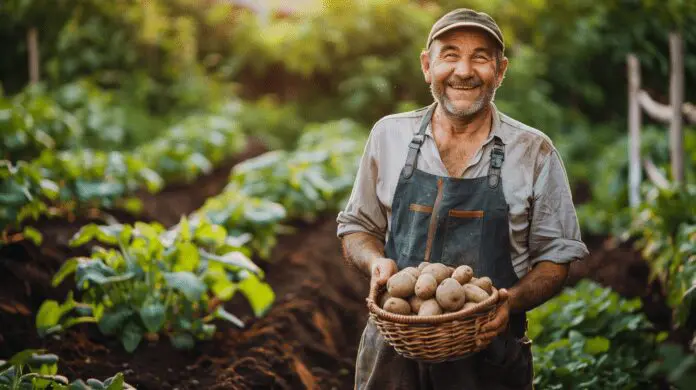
{"type": "Point", "coordinates": [415, 145]}
{"type": "Point", "coordinates": [497, 158]}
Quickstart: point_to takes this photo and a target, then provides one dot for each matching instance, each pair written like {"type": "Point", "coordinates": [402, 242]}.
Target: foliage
{"type": "Point", "coordinates": [156, 281]}
{"type": "Point", "coordinates": [665, 229]}
{"type": "Point", "coordinates": [608, 211]}
{"type": "Point", "coordinates": [31, 122]}
{"type": "Point", "coordinates": [245, 215]}
{"type": "Point", "coordinates": [33, 369]}
{"type": "Point", "coordinates": [193, 147]}
{"type": "Point", "coordinates": [590, 338]}
{"type": "Point", "coordinates": [313, 178]}
{"type": "Point", "coordinates": [678, 366]}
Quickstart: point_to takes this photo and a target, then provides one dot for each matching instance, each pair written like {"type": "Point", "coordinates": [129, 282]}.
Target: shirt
{"type": "Point", "coordinates": [543, 221]}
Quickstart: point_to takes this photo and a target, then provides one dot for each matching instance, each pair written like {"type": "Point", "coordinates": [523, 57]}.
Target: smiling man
{"type": "Point", "coordinates": [459, 182]}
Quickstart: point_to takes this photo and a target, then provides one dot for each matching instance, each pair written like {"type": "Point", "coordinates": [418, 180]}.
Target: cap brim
{"type": "Point", "coordinates": [466, 24]}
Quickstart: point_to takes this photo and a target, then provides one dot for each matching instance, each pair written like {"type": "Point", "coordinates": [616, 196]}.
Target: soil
{"type": "Point", "coordinates": [307, 340]}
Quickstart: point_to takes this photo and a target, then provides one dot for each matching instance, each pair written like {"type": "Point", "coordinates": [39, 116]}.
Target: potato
{"type": "Point", "coordinates": [474, 293]}
{"type": "Point", "coordinates": [468, 305]}
{"type": "Point", "coordinates": [463, 274]}
{"type": "Point", "coordinates": [450, 295]}
{"type": "Point", "coordinates": [425, 286]}
{"type": "Point", "coordinates": [415, 303]}
{"type": "Point", "coordinates": [412, 270]}
{"type": "Point", "coordinates": [484, 283]}
{"type": "Point", "coordinates": [401, 284]}
{"type": "Point", "coordinates": [397, 306]}
{"type": "Point", "coordinates": [438, 270]}
{"type": "Point", "coordinates": [383, 299]}
{"type": "Point", "coordinates": [422, 265]}
{"type": "Point", "coordinates": [430, 308]}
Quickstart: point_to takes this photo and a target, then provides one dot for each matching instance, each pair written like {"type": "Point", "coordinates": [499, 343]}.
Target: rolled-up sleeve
{"type": "Point", "coordinates": [555, 232]}
{"type": "Point", "coordinates": [364, 212]}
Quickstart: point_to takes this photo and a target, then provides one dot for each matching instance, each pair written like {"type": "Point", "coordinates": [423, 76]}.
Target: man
{"type": "Point", "coordinates": [461, 183]}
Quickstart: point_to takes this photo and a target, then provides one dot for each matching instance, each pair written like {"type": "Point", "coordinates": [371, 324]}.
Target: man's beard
{"type": "Point", "coordinates": [438, 92]}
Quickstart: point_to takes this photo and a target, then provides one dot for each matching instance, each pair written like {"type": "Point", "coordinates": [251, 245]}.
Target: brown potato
{"type": "Point", "coordinates": [484, 283]}
{"type": "Point", "coordinates": [383, 298]}
{"type": "Point", "coordinates": [463, 274]}
{"type": "Point", "coordinates": [474, 293]}
{"type": "Point", "coordinates": [412, 270]}
{"type": "Point", "coordinates": [422, 265]}
{"type": "Point", "coordinates": [450, 295]}
{"type": "Point", "coordinates": [425, 286]}
{"type": "Point", "coordinates": [468, 305]}
{"type": "Point", "coordinates": [438, 270]}
{"type": "Point", "coordinates": [401, 284]}
{"type": "Point", "coordinates": [397, 306]}
{"type": "Point", "coordinates": [430, 308]}
{"type": "Point", "coordinates": [415, 303]}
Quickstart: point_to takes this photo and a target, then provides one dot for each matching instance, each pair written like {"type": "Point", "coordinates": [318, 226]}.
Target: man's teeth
{"type": "Point", "coordinates": [461, 87]}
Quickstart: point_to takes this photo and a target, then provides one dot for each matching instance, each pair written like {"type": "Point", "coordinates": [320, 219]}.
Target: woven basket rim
{"type": "Point", "coordinates": [480, 308]}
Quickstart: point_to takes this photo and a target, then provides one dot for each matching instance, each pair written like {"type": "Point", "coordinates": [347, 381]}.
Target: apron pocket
{"type": "Point", "coordinates": [462, 238]}
{"type": "Point", "coordinates": [413, 236]}
{"type": "Point", "coordinates": [507, 361]}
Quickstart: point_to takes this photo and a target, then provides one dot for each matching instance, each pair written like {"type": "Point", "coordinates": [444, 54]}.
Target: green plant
{"type": "Point", "coordinates": [193, 147]}
{"type": "Point", "coordinates": [665, 229]}
{"type": "Point", "coordinates": [32, 369]}
{"type": "Point", "coordinates": [156, 281]}
{"type": "Point", "coordinates": [314, 178]}
{"type": "Point", "coordinates": [590, 338]}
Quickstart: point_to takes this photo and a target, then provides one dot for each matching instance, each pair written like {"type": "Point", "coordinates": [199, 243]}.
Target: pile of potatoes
{"type": "Point", "coordinates": [433, 289]}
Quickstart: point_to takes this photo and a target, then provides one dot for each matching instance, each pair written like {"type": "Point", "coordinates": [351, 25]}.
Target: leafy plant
{"type": "Point", "coordinates": [32, 369]}
{"type": "Point", "coordinates": [665, 229]}
{"type": "Point", "coordinates": [193, 147]}
{"type": "Point", "coordinates": [590, 338]}
{"type": "Point", "coordinates": [313, 178]}
{"type": "Point", "coordinates": [156, 281]}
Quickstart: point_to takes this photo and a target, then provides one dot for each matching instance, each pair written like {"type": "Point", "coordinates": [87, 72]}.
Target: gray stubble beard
{"type": "Point", "coordinates": [482, 102]}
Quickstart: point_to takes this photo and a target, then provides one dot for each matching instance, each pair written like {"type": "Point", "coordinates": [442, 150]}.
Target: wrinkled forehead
{"type": "Point", "coordinates": [465, 37]}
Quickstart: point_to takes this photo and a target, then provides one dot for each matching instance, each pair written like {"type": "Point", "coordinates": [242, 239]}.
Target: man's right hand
{"type": "Point", "coordinates": [381, 269]}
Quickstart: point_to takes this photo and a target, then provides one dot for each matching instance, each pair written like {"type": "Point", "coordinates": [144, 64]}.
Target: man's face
{"type": "Point", "coordinates": [462, 71]}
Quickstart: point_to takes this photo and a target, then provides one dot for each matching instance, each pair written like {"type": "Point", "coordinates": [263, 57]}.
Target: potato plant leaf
{"type": "Point", "coordinates": [187, 283]}
{"type": "Point", "coordinates": [259, 294]}
{"type": "Point", "coordinates": [153, 316]}
{"type": "Point", "coordinates": [131, 336]}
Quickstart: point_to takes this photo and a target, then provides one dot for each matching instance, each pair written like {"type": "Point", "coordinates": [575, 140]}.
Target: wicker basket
{"type": "Point", "coordinates": [433, 339]}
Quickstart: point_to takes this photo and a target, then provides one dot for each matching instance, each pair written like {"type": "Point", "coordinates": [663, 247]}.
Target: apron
{"type": "Point", "coordinates": [453, 221]}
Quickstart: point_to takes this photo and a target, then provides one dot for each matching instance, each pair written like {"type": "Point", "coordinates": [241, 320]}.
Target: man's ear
{"type": "Point", "coordinates": [501, 71]}
{"type": "Point", "coordinates": [425, 65]}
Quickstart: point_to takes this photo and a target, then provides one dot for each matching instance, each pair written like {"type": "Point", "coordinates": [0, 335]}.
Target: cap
{"type": "Point", "coordinates": [464, 17]}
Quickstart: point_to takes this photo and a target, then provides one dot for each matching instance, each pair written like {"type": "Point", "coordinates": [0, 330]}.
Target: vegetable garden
{"type": "Point", "coordinates": [170, 179]}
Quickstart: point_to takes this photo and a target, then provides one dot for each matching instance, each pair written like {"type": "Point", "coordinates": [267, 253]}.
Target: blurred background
{"type": "Point", "coordinates": [174, 85]}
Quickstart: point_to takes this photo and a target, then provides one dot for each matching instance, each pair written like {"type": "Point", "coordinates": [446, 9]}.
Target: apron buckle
{"type": "Point", "coordinates": [497, 158]}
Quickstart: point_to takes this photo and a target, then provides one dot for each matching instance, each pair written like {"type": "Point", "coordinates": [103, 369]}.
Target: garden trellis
{"type": "Point", "coordinates": [673, 113]}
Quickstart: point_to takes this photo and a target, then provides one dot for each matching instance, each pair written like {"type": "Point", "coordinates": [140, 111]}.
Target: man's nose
{"type": "Point", "coordinates": [463, 69]}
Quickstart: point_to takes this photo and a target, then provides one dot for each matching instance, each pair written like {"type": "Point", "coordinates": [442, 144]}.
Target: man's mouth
{"type": "Point", "coordinates": [461, 87]}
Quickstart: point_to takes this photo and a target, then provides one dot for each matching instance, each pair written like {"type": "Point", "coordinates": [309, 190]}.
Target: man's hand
{"type": "Point", "coordinates": [381, 269]}
{"type": "Point", "coordinates": [499, 323]}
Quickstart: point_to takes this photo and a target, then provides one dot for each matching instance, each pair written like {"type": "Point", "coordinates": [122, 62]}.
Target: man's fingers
{"type": "Point", "coordinates": [503, 295]}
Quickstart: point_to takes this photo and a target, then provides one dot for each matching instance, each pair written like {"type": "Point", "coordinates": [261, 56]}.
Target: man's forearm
{"type": "Point", "coordinates": [361, 248]}
{"type": "Point", "coordinates": [544, 281]}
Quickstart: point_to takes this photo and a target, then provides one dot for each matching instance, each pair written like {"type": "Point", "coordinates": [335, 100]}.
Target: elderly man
{"type": "Point", "coordinates": [459, 182]}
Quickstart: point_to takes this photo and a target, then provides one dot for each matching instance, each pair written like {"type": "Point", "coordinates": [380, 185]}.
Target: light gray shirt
{"type": "Point", "coordinates": [543, 222]}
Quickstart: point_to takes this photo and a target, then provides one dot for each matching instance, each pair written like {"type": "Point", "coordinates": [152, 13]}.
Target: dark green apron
{"type": "Point", "coordinates": [453, 221]}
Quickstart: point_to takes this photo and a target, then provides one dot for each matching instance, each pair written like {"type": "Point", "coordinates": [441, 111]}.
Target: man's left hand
{"type": "Point", "coordinates": [499, 323]}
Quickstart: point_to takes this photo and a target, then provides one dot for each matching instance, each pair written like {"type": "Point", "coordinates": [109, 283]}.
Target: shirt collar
{"type": "Point", "coordinates": [497, 129]}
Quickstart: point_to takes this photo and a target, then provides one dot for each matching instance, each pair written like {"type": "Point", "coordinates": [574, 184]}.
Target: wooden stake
{"type": "Point", "coordinates": [676, 99]}
{"type": "Point", "coordinates": [33, 48]}
{"type": "Point", "coordinates": [634, 123]}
